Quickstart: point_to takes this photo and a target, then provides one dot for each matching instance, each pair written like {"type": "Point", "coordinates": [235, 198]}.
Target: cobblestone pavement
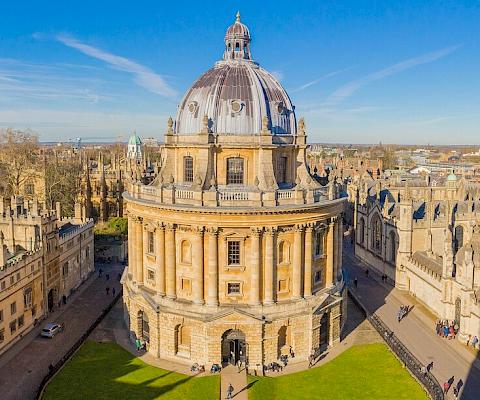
{"type": "Point", "coordinates": [26, 363]}
{"type": "Point", "coordinates": [417, 329]}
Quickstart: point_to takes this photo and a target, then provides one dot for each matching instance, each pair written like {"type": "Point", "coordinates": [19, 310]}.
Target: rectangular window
{"type": "Point", "coordinates": [188, 169]}
{"type": "Point", "coordinates": [233, 253]}
{"type": "Point", "coordinates": [282, 169]}
{"type": "Point", "coordinates": [151, 243]}
{"type": "Point", "coordinates": [13, 308]}
{"type": "Point", "coordinates": [27, 297]}
{"type": "Point", "coordinates": [233, 288]}
{"type": "Point", "coordinates": [29, 189]}
{"type": "Point", "coordinates": [186, 285]}
{"type": "Point", "coordinates": [319, 244]}
{"type": "Point", "coordinates": [21, 321]}
{"type": "Point", "coordinates": [12, 280]}
{"type": "Point", "coordinates": [2, 335]}
{"type": "Point", "coordinates": [150, 274]}
{"type": "Point", "coordinates": [1, 315]}
{"type": "Point", "coordinates": [18, 276]}
{"type": "Point", "coordinates": [235, 171]}
{"type": "Point", "coordinates": [13, 326]}
{"type": "Point", "coordinates": [65, 270]}
{"type": "Point", "coordinates": [2, 285]}
{"type": "Point", "coordinates": [282, 285]}
{"type": "Point", "coordinates": [318, 276]}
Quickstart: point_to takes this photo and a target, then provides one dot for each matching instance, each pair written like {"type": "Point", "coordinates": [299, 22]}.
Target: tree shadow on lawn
{"type": "Point", "coordinates": [106, 371]}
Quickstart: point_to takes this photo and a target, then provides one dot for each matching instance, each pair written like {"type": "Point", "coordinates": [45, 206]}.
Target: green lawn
{"type": "Point", "coordinates": [362, 372]}
{"type": "Point", "coordinates": [106, 371]}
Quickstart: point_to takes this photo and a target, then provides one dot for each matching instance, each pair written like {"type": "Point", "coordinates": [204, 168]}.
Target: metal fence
{"type": "Point", "coordinates": [54, 368]}
{"type": "Point", "coordinates": [416, 368]}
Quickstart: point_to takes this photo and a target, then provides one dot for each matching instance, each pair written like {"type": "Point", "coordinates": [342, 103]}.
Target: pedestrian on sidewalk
{"type": "Point", "coordinates": [113, 292]}
{"type": "Point", "coordinates": [366, 272]}
{"type": "Point", "coordinates": [138, 344]}
{"type": "Point", "coordinates": [107, 289]}
{"type": "Point", "coordinates": [311, 359]}
{"type": "Point", "coordinates": [107, 277]}
{"type": "Point", "coordinates": [100, 272]}
{"type": "Point", "coordinates": [230, 390]}
{"type": "Point", "coordinates": [430, 366]}
{"type": "Point", "coordinates": [474, 341]}
{"type": "Point", "coordinates": [355, 282]}
{"type": "Point", "coordinates": [446, 387]}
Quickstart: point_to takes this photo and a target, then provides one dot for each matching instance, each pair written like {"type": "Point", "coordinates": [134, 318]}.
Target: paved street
{"type": "Point", "coordinates": [24, 366]}
{"type": "Point", "coordinates": [417, 330]}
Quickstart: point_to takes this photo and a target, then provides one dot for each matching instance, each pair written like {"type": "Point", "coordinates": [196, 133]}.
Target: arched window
{"type": "Point", "coordinates": [235, 171]}
{"type": "Point", "coordinates": [393, 247]}
{"type": "Point", "coordinates": [376, 226]}
{"type": "Point", "coordinates": [458, 240]}
{"type": "Point", "coordinates": [186, 252]}
{"type": "Point", "coordinates": [182, 340]}
{"type": "Point", "coordinates": [284, 252]}
{"type": "Point", "coordinates": [361, 231]}
{"type": "Point", "coordinates": [188, 169]}
{"type": "Point", "coordinates": [237, 46]}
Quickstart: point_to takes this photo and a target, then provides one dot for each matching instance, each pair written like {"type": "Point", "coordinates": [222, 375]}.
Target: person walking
{"type": "Point", "coordinates": [474, 341]}
{"type": "Point", "coordinates": [113, 292]}
{"type": "Point", "coordinates": [311, 359]}
{"type": "Point", "coordinates": [355, 283]}
{"type": "Point", "coordinates": [107, 277]}
{"type": "Point", "coordinates": [446, 387]}
{"type": "Point", "coordinates": [230, 390]}
{"type": "Point", "coordinates": [107, 289]}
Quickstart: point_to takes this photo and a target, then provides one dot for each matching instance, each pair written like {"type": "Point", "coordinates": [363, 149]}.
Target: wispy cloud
{"type": "Point", "coordinates": [350, 88]}
{"type": "Point", "coordinates": [143, 76]}
{"type": "Point", "coordinates": [322, 78]}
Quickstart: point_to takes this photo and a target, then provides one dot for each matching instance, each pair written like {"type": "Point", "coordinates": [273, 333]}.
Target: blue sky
{"type": "Point", "coordinates": [358, 71]}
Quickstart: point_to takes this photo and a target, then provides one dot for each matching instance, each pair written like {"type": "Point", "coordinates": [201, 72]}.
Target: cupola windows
{"type": "Point", "coordinates": [188, 169]}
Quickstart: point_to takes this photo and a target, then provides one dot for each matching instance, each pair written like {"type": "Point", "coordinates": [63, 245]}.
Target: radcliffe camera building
{"type": "Point", "coordinates": [235, 247]}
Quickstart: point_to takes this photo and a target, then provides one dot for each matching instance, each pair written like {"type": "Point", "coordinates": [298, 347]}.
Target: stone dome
{"type": "Point", "coordinates": [236, 94]}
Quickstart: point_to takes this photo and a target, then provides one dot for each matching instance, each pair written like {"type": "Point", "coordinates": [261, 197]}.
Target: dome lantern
{"type": "Point", "coordinates": [237, 41]}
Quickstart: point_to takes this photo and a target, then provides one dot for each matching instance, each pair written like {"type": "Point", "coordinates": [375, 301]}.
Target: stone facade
{"type": "Point", "coordinates": [235, 247]}
{"type": "Point", "coordinates": [425, 238]}
{"type": "Point", "coordinates": [42, 258]}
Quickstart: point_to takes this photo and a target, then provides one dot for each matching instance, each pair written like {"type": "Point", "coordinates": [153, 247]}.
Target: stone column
{"type": "Point", "coordinates": [212, 299]}
{"type": "Point", "coordinates": [131, 247]}
{"type": "Point", "coordinates": [160, 256]}
{"type": "Point", "coordinates": [255, 265]}
{"type": "Point", "coordinates": [308, 262]}
{"type": "Point", "coordinates": [340, 247]}
{"type": "Point", "coordinates": [197, 261]}
{"type": "Point", "coordinates": [330, 253]}
{"type": "Point", "coordinates": [139, 250]}
{"type": "Point", "coordinates": [297, 262]}
{"type": "Point", "coordinates": [268, 277]}
{"type": "Point", "coordinates": [170, 262]}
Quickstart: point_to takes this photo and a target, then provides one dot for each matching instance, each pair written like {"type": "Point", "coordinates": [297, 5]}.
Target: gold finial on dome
{"type": "Point", "coordinates": [238, 16]}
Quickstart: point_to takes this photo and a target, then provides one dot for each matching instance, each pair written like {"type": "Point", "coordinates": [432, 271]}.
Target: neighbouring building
{"type": "Point", "coordinates": [42, 259]}
{"type": "Point", "coordinates": [427, 239]}
{"type": "Point", "coordinates": [235, 247]}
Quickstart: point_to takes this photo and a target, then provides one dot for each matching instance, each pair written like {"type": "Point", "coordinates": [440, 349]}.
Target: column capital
{"type": "Point", "coordinates": [271, 230]}
{"type": "Point", "coordinates": [159, 225]}
{"type": "Point", "coordinates": [212, 230]}
{"type": "Point", "coordinates": [298, 228]}
{"type": "Point", "coordinates": [136, 219]}
{"type": "Point", "coordinates": [169, 226]}
{"type": "Point", "coordinates": [198, 230]}
{"type": "Point", "coordinates": [256, 231]}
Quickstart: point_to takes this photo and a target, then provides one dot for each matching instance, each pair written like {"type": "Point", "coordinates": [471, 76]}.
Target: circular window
{"type": "Point", "coordinates": [192, 106]}
{"type": "Point", "coordinates": [280, 107]}
{"type": "Point", "coordinates": [236, 106]}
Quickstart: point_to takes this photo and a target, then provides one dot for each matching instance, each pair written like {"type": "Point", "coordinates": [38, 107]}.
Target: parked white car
{"type": "Point", "coordinates": [51, 329]}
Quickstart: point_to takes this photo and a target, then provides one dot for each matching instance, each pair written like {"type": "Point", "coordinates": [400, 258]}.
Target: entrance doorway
{"type": "Point", "coordinates": [234, 347]}
{"type": "Point", "coordinates": [50, 300]}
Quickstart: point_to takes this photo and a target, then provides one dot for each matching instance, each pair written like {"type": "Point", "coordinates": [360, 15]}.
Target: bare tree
{"type": "Point", "coordinates": [18, 159]}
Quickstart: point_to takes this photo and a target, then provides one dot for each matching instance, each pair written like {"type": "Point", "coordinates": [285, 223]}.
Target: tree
{"type": "Point", "coordinates": [62, 180]}
{"type": "Point", "coordinates": [18, 159]}
{"type": "Point", "coordinates": [389, 159]}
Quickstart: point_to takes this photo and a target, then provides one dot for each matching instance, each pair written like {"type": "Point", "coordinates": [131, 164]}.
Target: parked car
{"type": "Point", "coordinates": [51, 329]}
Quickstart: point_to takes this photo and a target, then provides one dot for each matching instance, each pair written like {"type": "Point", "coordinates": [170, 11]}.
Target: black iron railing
{"type": "Point", "coordinates": [416, 368]}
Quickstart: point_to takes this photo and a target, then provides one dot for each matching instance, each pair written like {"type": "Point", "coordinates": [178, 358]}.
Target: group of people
{"type": "Point", "coordinates": [447, 329]}
{"type": "Point", "coordinates": [140, 345]}
{"type": "Point", "coordinates": [472, 341]}
{"type": "Point", "coordinates": [456, 389]}
{"type": "Point", "coordinates": [402, 312]}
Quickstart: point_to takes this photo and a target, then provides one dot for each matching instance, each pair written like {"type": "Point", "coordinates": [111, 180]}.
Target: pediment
{"type": "Point", "coordinates": [235, 315]}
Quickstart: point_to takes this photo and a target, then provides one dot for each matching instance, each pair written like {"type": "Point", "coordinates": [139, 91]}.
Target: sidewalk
{"type": "Point", "coordinates": [238, 380]}
{"type": "Point", "coordinates": [416, 330]}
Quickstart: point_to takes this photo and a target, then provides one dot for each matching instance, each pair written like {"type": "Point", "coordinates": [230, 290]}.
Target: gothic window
{"type": "Point", "coordinates": [27, 298]}
{"type": "Point", "coordinates": [361, 231]}
{"type": "Point", "coordinates": [282, 169]}
{"type": "Point", "coordinates": [319, 243]}
{"type": "Point", "coordinates": [235, 171]}
{"type": "Point", "coordinates": [186, 253]}
{"type": "Point", "coordinates": [284, 252]}
{"type": "Point", "coordinates": [233, 253]}
{"type": "Point", "coordinates": [458, 240]}
{"type": "Point", "coordinates": [188, 169]}
{"type": "Point", "coordinates": [393, 247]}
{"type": "Point", "coordinates": [151, 243]}
{"type": "Point", "coordinates": [377, 234]}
